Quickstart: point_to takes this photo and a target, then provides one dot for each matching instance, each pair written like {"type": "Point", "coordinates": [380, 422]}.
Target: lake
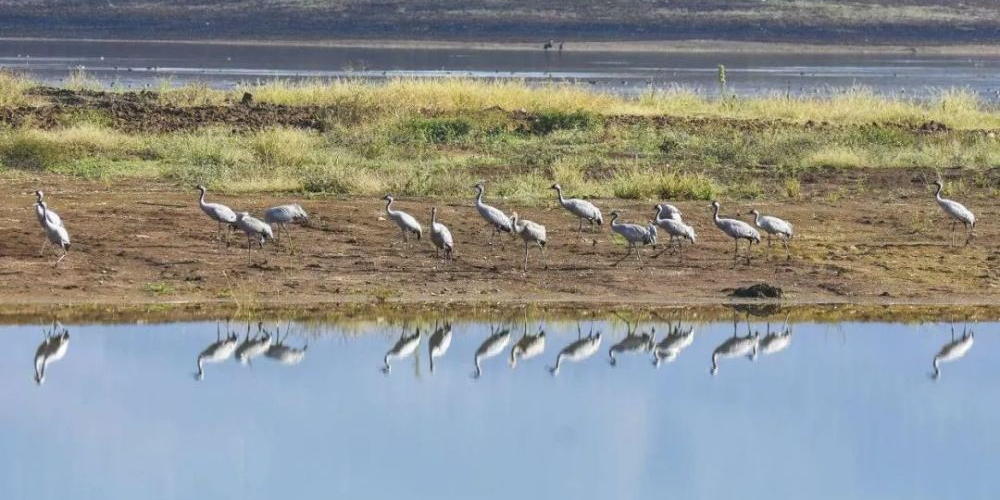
{"type": "Point", "coordinates": [136, 65]}
{"type": "Point", "coordinates": [846, 410]}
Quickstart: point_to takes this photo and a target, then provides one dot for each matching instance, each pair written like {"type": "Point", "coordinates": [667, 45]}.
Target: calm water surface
{"type": "Point", "coordinates": [845, 411]}
{"type": "Point", "coordinates": [142, 64]}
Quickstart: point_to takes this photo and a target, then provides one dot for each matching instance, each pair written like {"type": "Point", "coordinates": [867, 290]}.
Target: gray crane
{"type": "Point", "coordinates": [406, 222]}
{"type": "Point", "coordinates": [634, 235]}
{"type": "Point", "coordinates": [671, 346]}
{"type": "Point", "coordinates": [531, 233]}
{"type": "Point", "coordinates": [441, 237]}
{"type": "Point", "coordinates": [582, 209]}
{"type": "Point", "coordinates": [737, 230]}
{"type": "Point", "coordinates": [774, 226]}
{"type": "Point", "coordinates": [55, 231]}
{"type": "Point", "coordinates": [498, 221]}
{"type": "Point", "coordinates": [957, 212]}
{"type": "Point", "coordinates": [676, 228]}
{"type": "Point", "coordinates": [40, 213]}
{"type": "Point", "coordinates": [254, 229]}
{"type": "Point", "coordinates": [217, 212]}
{"type": "Point", "coordinates": [282, 215]}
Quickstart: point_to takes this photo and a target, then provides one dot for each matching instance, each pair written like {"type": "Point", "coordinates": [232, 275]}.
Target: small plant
{"type": "Point", "coordinates": [793, 188]}
{"type": "Point", "coordinates": [158, 288]}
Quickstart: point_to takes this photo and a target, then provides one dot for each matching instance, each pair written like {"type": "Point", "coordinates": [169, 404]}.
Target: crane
{"type": "Point", "coordinates": [634, 235]}
{"type": "Point", "coordinates": [531, 233]}
{"type": "Point", "coordinates": [282, 215]}
{"type": "Point", "coordinates": [406, 222]}
{"type": "Point", "coordinates": [441, 237]}
{"type": "Point", "coordinates": [774, 226]}
{"type": "Point", "coordinates": [737, 230]}
{"type": "Point", "coordinates": [957, 212]}
{"type": "Point", "coordinates": [498, 221]}
{"type": "Point", "coordinates": [217, 212]}
{"type": "Point", "coordinates": [582, 209]}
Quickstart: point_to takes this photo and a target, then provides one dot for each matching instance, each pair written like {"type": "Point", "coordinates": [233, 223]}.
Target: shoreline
{"type": "Point", "coordinates": [360, 311]}
{"type": "Point", "coordinates": [652, 46]}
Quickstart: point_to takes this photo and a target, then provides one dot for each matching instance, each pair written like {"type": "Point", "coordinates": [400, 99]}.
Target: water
{"type": "Point", "coordinates": [134, 65]}
{"type": "Point", "coordinates": [845, 411]}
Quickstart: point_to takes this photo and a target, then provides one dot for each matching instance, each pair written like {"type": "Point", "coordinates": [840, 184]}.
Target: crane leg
{"type": "Point", "coordinates": [628, 251]}
{"type": "Point", "coordinates": [767, 255]}
{"type": "Point", "coordinates": [545, 260]}
{"type": "Point", "coordinates": [249, 249]}
{"type": "Point", "coordinates": [581, 226]}
{"type": "Point", "coordinates": [61, 257]}
{"type": "Point", "coordinates": [637, 259]}
{"type": "Point", "coordinates": [749, 252]}
{"type": "Point", "coordinates": [45, 243]}
{"type": "Point", "coordinates": [788, 255]}
{"type": "Point", "coordinates": [968, 233]}
{"type": "Point", "coordinates": [736, 253]}
{"type": "Point", "coordinates": [525, 256]}
{"type": "Point", "coordinates": [291, 244]}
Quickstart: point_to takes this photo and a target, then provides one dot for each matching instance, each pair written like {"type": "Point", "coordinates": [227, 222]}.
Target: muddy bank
{"type": "Point", "coordinates": [142, 243]}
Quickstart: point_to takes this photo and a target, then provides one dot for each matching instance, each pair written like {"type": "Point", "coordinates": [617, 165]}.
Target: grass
{"type": "Point", "coordinates": [437, 137]}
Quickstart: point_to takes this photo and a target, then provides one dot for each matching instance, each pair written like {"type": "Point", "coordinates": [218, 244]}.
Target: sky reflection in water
{"type": "Point", "coordinates": [846, 411]}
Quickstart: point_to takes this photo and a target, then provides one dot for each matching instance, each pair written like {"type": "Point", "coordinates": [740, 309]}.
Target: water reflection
{"type": "Point", "coordinates": [217, 351]}
{"type": "Point", "coordinates": [439, 343]}
{"type": "Point", "coordinates": [670, 347]}
{"type": "Point", "coordinates": [527, 347]}
{"type": "Point", "coordinates": [253, 347]}
{"type": "Point", "coordinates": [858, 414]}
{"type": "Point", "coordinates": [52, 349]}
{"type": "Point", "coordinates": [403, 348]}
{"type": "Point", "coordinates": [632, 343]}
{"type": "Point", "coordinates": [773, 343]}
{"type": "Point", "coordinates": [493, 345]}
{"type": "Point", "coordinates": [953, 350]}
{"type": "Point", "coordinates": [283, 354]}
{"type": "Point", "coordinates": [735, 347]}
{"type": "Point", "coordinates": [581, 349]}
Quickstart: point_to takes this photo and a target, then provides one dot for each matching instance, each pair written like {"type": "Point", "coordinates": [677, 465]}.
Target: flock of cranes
{"type": "Point", "coordinates": [666, 218]}
{"type": "Point", "coordinates": [263, 343]}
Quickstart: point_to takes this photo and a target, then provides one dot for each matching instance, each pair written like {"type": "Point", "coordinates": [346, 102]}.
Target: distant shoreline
{"type": "Point", "coordinates": [666, 46]}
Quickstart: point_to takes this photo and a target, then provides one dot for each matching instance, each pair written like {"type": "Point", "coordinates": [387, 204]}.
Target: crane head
{"type": "Point", "coordinates": [201, 188]}
{"type": "Point", "coordinates": [753, 211]}
{"type": "Point", "coordinates": [387, 197]}
{"type": "Point", "coordinates": [39, 194]}
{"type": "Point", "coordinates": [555, 186]}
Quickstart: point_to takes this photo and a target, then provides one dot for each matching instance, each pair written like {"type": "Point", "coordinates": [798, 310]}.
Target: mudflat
{"type": "Point", "coordinates": [147, 242]}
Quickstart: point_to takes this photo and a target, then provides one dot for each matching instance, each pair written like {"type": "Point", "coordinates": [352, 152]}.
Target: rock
{"type": "Point", "coordinates": [247, 99]}
{"type": "Point", "coordinates": [758, 291]}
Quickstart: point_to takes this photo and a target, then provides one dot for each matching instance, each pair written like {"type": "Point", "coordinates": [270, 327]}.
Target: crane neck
{"type": "Point", "coordinates": [388, 204]}
{"type": "Point", "coordinates": [513, 358]}
{"type": "Point", "coordinates": [937, 370]}
{"type": "Point", "coordinates": [756, 218]}
{"type": "Point", "coordinates": [715, 212]}
{"type": "Point", "coordinates": [479, 195]}
{"type": "Point", "coordinates": [201, 199]}
{"type": "Point", "coordinates": [559, 192]}
{"type": "Point", "coordinates": [555, 369]}
{"type": "Point", "coordinates": [937, 192]}
{"type": "Point", "coordinates": [614, 218]}
{"type": "Point", "coordinates": [434, 217]}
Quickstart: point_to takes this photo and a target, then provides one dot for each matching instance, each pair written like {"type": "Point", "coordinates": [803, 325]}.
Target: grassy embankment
{"type": "Point", "coordinates": [437, 137]}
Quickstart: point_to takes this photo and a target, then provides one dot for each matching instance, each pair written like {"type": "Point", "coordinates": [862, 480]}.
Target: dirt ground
{"type": "Point", "coordinates": [143, 242]}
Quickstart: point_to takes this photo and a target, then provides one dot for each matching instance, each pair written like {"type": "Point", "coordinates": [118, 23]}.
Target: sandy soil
{"type": "Point", "coordinates": [141, 242]}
